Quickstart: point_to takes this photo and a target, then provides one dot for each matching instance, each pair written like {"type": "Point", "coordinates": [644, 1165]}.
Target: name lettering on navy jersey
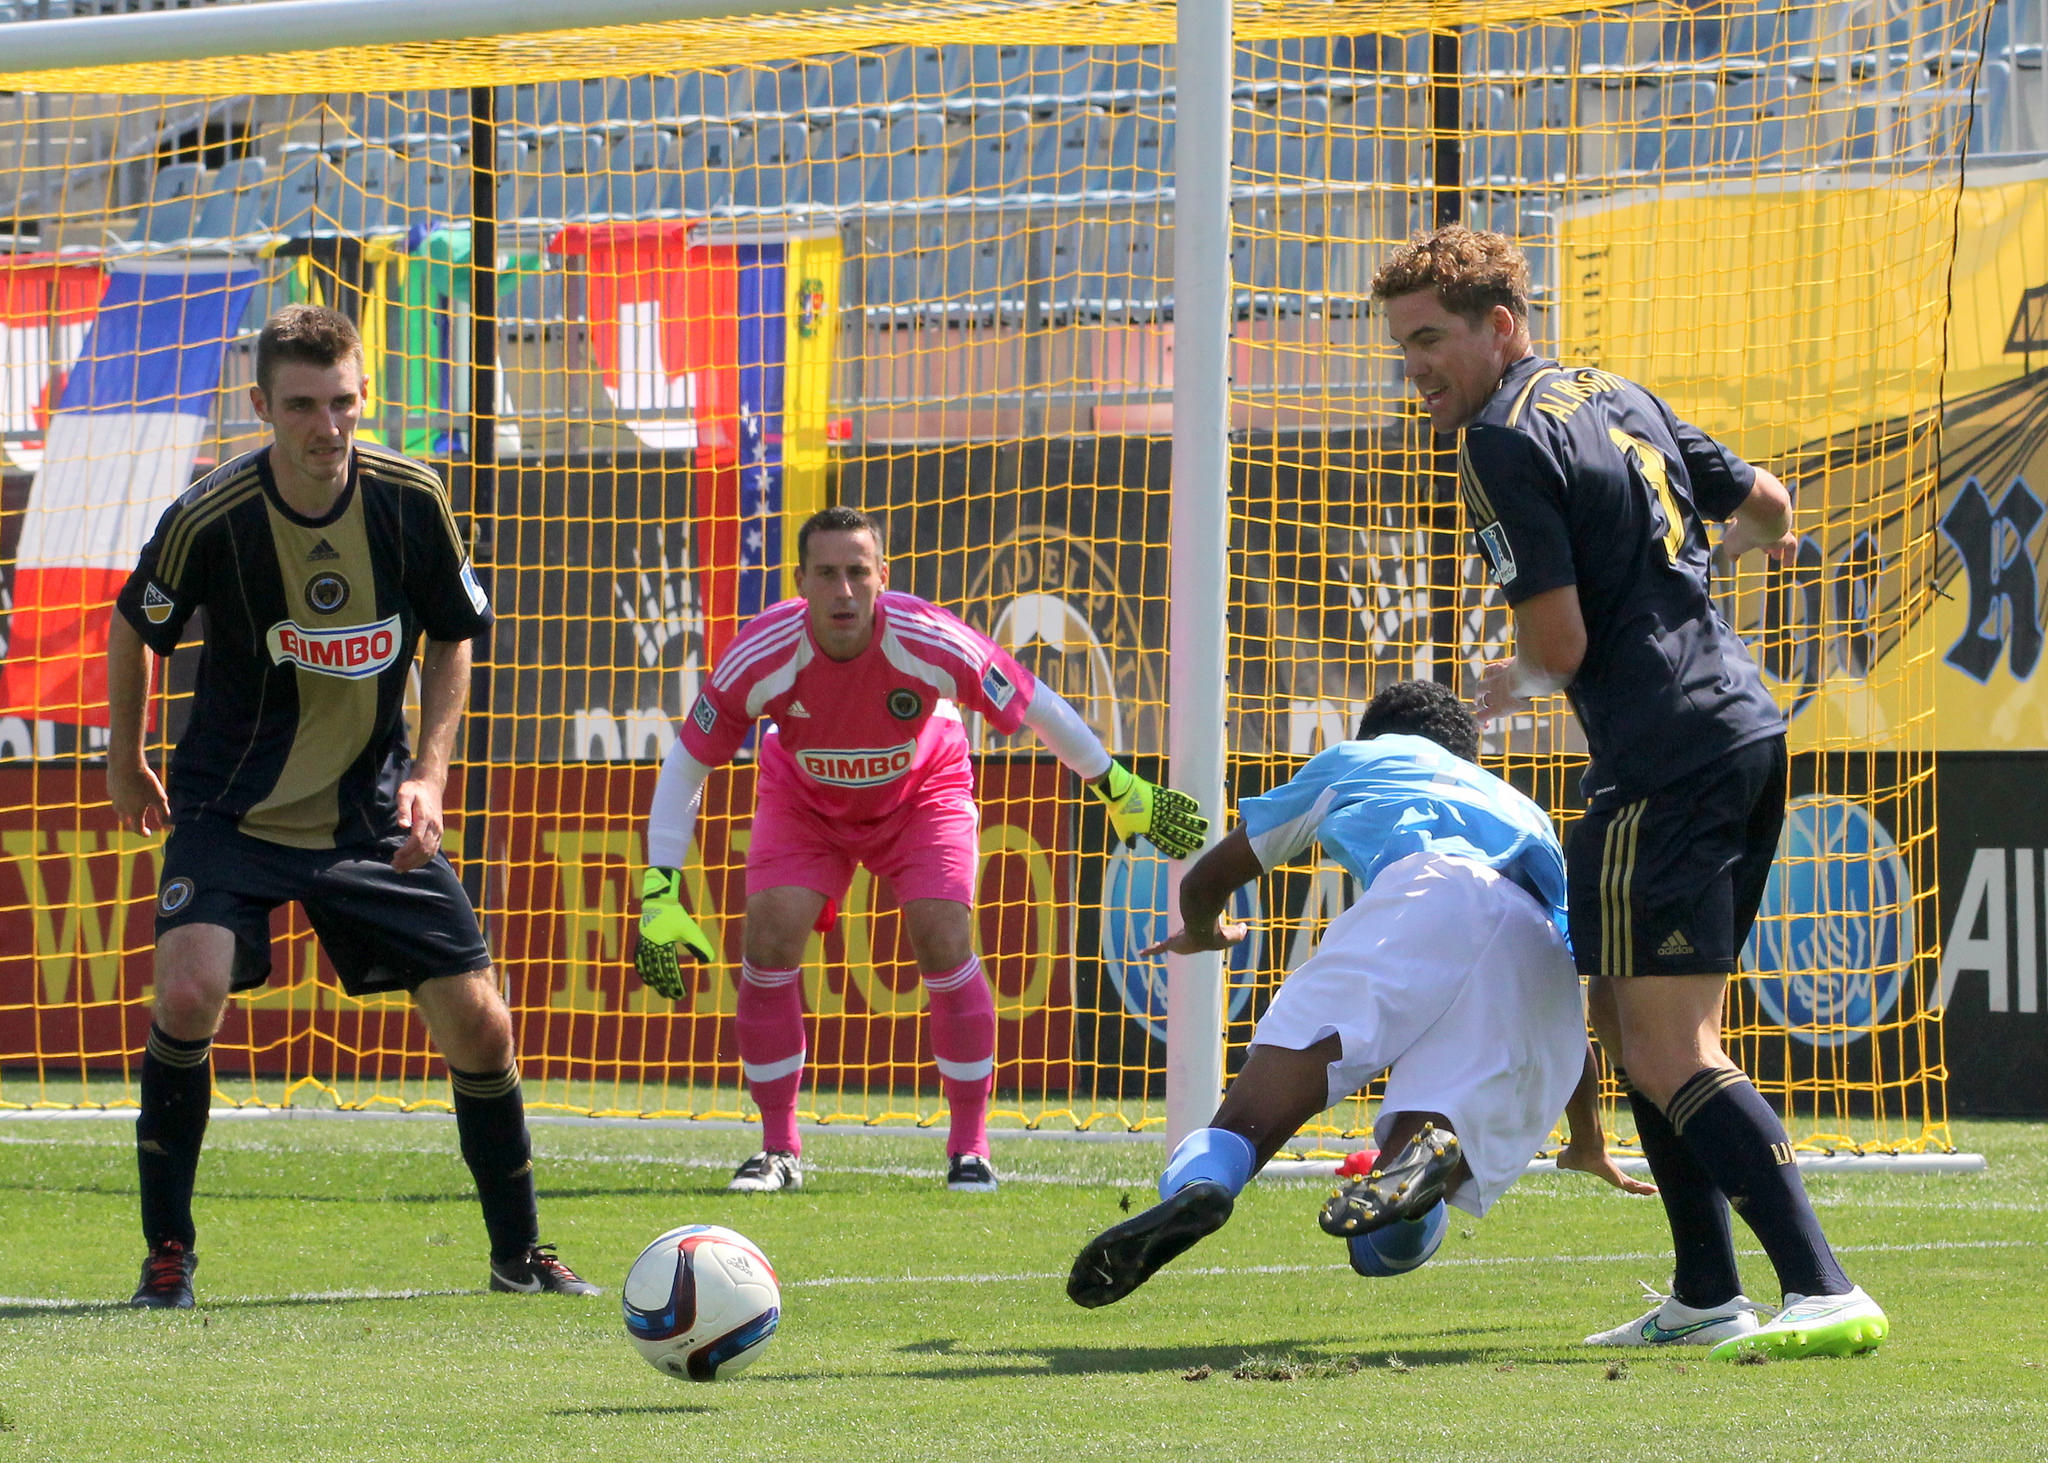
{"type": "Point", "coordinates": [858, 766]}
{"type": "Point", "coordinates": [1564, 395]}
{"type": "Point", "coordinates": [353, 651]}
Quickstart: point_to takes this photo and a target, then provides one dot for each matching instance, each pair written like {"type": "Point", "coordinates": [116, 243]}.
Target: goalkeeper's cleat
{"type": "Point", "coordinates": [1813, 1325]}
{"type": "Point", "coordinates": [1401, 1187]}
{"type": "Point", "coordinates": [970, 1173]}
{"type": "Point", "coordinates": [665, 924]}
{"type": "Point", "coordinates": [166, 1279]}
{"type": "Point", "coordinates": [1119, 1260]}
{"type": "Point", "coordinates": [1398, 1248]}
{"type": "Point", "coordinates": [768, 1172]}
{"type": "Point", "coordinates": [539, 1272]}
{"type": "Point", "coordinates": [1671, 1322]}
{"type": "Point", "coordinates": [1171, 821]}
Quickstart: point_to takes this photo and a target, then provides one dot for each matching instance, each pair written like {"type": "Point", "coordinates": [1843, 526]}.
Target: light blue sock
{"type": "Point", "coordinates": [1216, 1154]}
{"type": "Point", "coordinates": [1401, 1247]}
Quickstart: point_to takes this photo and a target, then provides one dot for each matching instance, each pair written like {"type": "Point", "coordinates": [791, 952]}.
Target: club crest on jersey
{"type": "Point", "coordinates": [175, 896]}
{"type": "Point", "coordinates": [904, 704]}
{"type": "Point", "coordinates": [998, 687]}
{"type": "Point", "coordinates": [704, 714]}
{"type": "Point", "coordinates": [326, 593]}
{"type": "Point", "coordinates": [156, 605]}
{"type": "Point", "coordinates": [351, 651]}
{"type": "Point", "coordinates": [857, 766]}
{"type": "Point", "coordinates": [1499, 557]}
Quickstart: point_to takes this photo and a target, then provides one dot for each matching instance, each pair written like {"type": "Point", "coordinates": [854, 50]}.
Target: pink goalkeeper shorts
{"type": "Point", "coordinates": [930, 848]}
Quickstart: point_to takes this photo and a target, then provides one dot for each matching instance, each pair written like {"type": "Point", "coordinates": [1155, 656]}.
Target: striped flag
{"type": "Point", "coordinates": [47, 303]}
{"type": "Point", "coordinates": [120, 447]}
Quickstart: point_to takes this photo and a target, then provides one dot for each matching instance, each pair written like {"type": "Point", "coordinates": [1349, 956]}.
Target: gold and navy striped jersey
{"type": "Point", "coordinates": [1577, 476]}
{"type": "Point", "coordinates": [297, 728]}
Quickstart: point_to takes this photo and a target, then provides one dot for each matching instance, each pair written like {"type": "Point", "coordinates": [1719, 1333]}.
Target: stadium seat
{"type": "Point", "coordinates": [645, 173]}
{"type": "Point", "coordinates": [1140, 156]}
{"type": "Point", "coordinates": [1492, 146]}
{"type": "Point", "coordinates": [1059, 160]}
{"type": "Point", "coordinates": [916, 167]}
{"type": "Point", "coordinates": [994, 156]}
{"type": "Point", "coordinates": [775, 173]}
{"type": "Point", "coordinates": [307, 197]}
{"type": "Point", "coordinates": [1060, 75]}
{"type": "Point", "coordinates": [1861, 142]}
{"type": "Point", "coordinates": [668, 99]}
{"type": "Point", "coordinates": [237, 202]}
{"type": "Point", "coordinates": [853, 79]}
{"type": "Point", "coordinates": [903, 271]}
{"type": "Point", "coordinates": [436, 191]}
{"type": "Point", "coordinates": [1285, 145]}
{"type": "Point", "coordinates": [925, 75]}
{"type": "Point", "coordinates": [1138, 256]}
{"type": "Point", "coordinates": [572, 170]}
{"type": "Point", "coordinates": [1617, 48]}
{"type": "Point", "coordinates": [984, 269]}
{"type": "Point", "coordinates": [173, 205]}
{"type": "Point", "coordinates": [1123, 75]}
{"type": "Point", "coordinates": [704, 159]}
{"type": "Point", "coordinates": [1988, 122]}
{"type": "Point", "coordinates": [997, 73]}
{"type": "Point", "coordinates": [372, 178]}
{"type": "Point", "coordinates": [1676, 127]}
{"type": "Point", "coordinates": [842, 157]}
{"type": "Point", "coordinates": [1070, 282]}
{"type": "Point", "coordinates": [1543, 120]}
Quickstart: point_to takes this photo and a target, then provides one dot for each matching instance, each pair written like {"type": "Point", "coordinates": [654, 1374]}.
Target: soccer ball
{"type": "Point", "coordinates": [701, 1302]}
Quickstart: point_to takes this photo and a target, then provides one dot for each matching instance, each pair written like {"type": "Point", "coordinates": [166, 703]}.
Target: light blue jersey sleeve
{"type": "Point", "coordinates": [1371, 803]}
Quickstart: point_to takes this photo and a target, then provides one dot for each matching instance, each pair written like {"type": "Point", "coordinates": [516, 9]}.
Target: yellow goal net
{"type": "Point", "coordinates": [646, 295]}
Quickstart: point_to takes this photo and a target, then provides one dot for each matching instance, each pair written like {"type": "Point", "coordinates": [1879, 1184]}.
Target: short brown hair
{"type": "Point", "coordinates": [837, 519]}
{"type": "Point", "coordinates": [1471, 271]}
{"type": "Point", "coordinates": [310, 334]}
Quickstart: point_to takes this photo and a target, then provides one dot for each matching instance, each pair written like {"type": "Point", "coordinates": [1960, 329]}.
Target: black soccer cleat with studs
{"type": "Point", "coordinates": [1119, 1260]}
{"type": "Point", "coordinates": [539, 1272]}
{"type": "Point", "coordinates": [166, 1279]}
{"type": "Point", "coordinates": [1406, 1186]}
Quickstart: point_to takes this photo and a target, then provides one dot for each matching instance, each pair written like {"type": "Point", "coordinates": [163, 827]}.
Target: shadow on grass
{"type": "Point", "coordinates": [638, 1409]}
{"type": "Point", "coordinates": [1316, 1359]}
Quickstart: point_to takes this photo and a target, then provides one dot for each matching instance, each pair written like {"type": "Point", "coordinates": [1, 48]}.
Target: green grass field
{"type": "Point", "coordinates": [342, 1314]}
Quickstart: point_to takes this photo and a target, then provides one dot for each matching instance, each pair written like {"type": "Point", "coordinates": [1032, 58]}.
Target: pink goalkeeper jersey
{"type": "Point", "coordinates": [860, 736]}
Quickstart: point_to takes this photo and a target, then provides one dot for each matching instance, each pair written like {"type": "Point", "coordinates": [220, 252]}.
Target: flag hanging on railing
{"type": "Point", "coordinates": [121, 446]}
{"type": "Point", "coordinates": [47, 303]}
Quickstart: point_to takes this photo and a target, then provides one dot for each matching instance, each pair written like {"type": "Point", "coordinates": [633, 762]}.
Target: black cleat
{"type": "Point", "coordinates": [1119, 1260]}
{"type": "Point", "coordinates": [538, 1271]}
{"type": "Point", "coordinates": [770, 1171]}
{"type": "Point", "coordinates": [166, 1279]}
{"type": "Point", "coordinates": [1406, 1186]}
{"type": "Point", "coordinates": [970, 1173]}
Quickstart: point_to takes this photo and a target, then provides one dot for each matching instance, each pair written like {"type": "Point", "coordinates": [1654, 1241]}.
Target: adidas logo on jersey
{"type": "Point", "coordinates": [796, 708]}
{"type": "Point", "coordinates": [1675, 944]}
{"type": "Point", "coordinates": [322, 551]}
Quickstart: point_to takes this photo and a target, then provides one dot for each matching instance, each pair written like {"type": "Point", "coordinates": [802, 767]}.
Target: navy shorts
{"type": "Point", "coordinates": [1669, 884]}
{"type": "Point", "coordinates": [384, 931]}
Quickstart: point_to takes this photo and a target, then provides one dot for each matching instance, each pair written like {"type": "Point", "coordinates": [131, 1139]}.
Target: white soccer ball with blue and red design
{"type": "Point", "coordinates": [702, 1302]}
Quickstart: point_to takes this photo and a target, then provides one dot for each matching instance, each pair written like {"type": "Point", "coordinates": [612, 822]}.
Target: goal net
{"type": "Point", "coordinates": [918, 259]}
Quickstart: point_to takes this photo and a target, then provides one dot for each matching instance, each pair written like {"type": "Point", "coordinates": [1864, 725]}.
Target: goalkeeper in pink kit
{"type": "Point", "coordinates": [866, 764]}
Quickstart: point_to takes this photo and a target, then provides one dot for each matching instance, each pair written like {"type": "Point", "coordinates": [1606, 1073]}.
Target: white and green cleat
{"type": "Point", "coordinates": [1813, 1325]}
{"type": "Point", "coordinates": [1671, 1322]}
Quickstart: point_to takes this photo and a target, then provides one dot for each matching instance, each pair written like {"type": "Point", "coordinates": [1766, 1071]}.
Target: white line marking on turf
{"type": "Point", "coordinates": [1476, 1262]}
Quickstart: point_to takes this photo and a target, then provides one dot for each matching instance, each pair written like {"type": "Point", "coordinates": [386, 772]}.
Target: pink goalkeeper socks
{"type": "Point", "coordinates": [771, 1031]}
{"type": "Point", "coordinates": [963, 1023]}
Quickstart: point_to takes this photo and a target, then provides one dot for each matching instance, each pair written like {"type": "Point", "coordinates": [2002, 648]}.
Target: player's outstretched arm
{"type": "Point", "coordinates": [132, 786]}
{"type": "Point", "coordinates": [1171, 820]}
{"type": "Point", "coordinates": [1585, 1149]}
{"type": "Point", "coordinates": [1205, 892]}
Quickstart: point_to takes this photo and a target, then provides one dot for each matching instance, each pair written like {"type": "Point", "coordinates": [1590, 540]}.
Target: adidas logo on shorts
{"type": "Point", "coordinates": [1675, 944]}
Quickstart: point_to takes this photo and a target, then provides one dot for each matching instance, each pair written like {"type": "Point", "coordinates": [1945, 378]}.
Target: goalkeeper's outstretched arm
{"type": "Point", "coordinates": [667, 929]}
{"type": "Point", "coordinates": [1171, 821]}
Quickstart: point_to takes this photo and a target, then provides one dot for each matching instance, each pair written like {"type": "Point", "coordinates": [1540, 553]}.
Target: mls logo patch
{"type": "Point", "coordinates": [1499, 557]}
{"type": "Point", "coordinates": [478, 600]}
{"type": "Point", "coordinates": [156, 605]}
{"type": "Point", "coordinates": [704, 714]}
{"type": "Point", "coordinates": [999, 688]}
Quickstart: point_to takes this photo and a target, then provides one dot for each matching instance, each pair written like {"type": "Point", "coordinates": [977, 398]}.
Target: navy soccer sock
{"type": "Point", "coordinates": [490, 1120]}
{"type": "Point", "coordinates": [1702, 1245]}
{"type": "Point", "coordinates": [1738, 1139]}
{"type": "Point", "coordinates": [177, 1091]}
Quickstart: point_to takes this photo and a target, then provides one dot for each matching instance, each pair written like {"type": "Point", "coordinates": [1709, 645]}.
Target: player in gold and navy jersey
{"type": "Point", "coordinates": [1590, 501]}
{"type": "Point", "coordinates": [320, 565]}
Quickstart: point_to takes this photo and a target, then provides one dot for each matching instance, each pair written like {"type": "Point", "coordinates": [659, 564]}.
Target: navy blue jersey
{"type": "Point", "coordinates": [298, 729]}
{"type": "Point", "coordinates": [1580, 477]}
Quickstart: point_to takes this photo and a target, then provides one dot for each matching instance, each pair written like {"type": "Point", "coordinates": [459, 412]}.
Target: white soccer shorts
{"type": "Point", "coordinates": [1455, 978]}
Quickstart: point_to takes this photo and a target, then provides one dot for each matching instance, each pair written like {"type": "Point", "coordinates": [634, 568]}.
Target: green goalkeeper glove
{"type": "Point", "coordinates": [1172, 820]}
{"type": "Point", "coordinates": [665, 924]}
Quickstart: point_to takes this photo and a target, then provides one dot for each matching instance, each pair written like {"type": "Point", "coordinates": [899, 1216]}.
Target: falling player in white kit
{"type": "Point", "coordinates": [867, 764]}
{"type": "Point", "coordinates": [1450, 969]}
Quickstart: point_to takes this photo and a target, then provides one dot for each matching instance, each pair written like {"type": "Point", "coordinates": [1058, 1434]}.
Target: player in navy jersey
{"type": "Point", "coordinates": [1590, 501]}
{"type": "Point", "coordinates": [320, 565]}
{"type": "Point", "coordinates": [1450, 970]}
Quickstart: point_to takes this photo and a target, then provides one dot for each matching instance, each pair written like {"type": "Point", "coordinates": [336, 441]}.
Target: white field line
{"type": "Point", "coordinates": [1633, 1257]}
{"type": "Point", "coordinates": [546, 1161]}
